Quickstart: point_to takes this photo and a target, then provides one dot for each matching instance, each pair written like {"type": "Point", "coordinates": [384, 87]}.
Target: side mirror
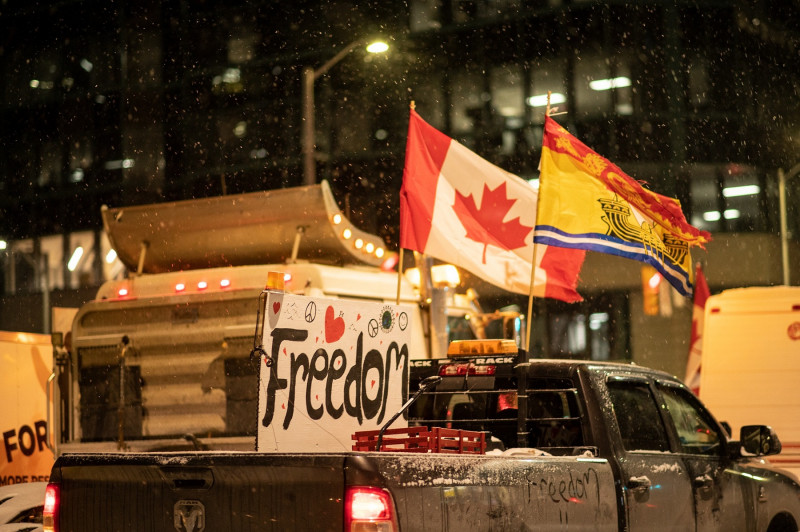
{"type": "Point", "coordinates": [759, 440]}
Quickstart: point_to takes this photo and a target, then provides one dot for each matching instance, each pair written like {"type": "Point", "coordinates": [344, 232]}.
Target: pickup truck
{"type": "Point", "coordinates": [570, 445]}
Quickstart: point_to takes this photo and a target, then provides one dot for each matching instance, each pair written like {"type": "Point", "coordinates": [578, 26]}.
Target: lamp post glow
{"type": "Point", "coordinates": [310, 75]}
{"type": "Point", "coordinates": [782, 179]}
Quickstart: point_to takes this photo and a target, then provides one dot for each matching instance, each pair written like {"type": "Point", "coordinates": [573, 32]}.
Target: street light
{"type": "Point", "coordinates": [309, 76]}
{"type": "Point", "coordinates": [782, 179]}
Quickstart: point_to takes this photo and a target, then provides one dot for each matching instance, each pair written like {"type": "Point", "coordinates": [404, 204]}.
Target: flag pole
{"type": "Point", "coordinates": [413, 106]}
{"type": "Point", "coordinates": [533, 258]}
{"type": "Point", "coordinates": [399, 274]}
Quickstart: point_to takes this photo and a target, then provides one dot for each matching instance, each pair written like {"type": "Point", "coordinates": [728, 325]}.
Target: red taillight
{"type": "Point", "coordinates": [50, 513]}
{"type": "Point", "coordinates": [460, 370]}
{"type": "Point", "coordinates": [367, 508]}
{"type": "Point", "coordinates": [481, 370]}
{"type": "Point", "coordinates": [225, 283]}
{"type": "Point", "coordinates": [122, 292]}
{"type": "Point", "coordinates": [202, 285]}
{"type": "Point", "coordinates": [180, 287]}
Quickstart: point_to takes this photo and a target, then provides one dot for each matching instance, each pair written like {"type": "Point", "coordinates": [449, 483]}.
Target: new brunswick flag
{"type": "Point", "coordinates": [586, 202]}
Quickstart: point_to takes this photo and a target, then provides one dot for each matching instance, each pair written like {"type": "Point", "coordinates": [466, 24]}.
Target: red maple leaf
{"type": "Point", "coordinates": [485, 225]}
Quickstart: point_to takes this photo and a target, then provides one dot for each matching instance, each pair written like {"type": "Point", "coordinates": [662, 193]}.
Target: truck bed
{"type": "Point", "coordinates": [257, 491]}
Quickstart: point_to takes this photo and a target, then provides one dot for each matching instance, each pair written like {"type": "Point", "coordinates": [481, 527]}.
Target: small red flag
{"type": "Point", "coordinates": [701, 294]}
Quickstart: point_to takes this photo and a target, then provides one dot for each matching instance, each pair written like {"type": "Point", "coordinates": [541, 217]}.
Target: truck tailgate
{"type": "Point", "coordinates": [211, 491]}
{"type": "Point", "coordinates": [460, 492]}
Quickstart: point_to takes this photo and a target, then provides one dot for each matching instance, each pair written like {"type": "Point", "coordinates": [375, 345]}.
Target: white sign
{"type": "Point", "coordinates": [330, 367]}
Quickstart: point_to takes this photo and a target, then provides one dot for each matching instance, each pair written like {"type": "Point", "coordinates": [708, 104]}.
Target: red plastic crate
{"type": "Point", "coordinates": [422, 440]}
{"type": "Point", "coordinates": [407, 439]}
{"type": "Point", "coordinates": [457, 441]}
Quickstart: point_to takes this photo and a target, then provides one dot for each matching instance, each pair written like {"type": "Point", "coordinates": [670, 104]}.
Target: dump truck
{"type": "Point", "coordinates": [160, 360]}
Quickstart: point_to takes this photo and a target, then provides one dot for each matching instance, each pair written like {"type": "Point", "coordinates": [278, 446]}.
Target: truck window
{"type": "Point", "coordinates": [638, 419]}
{"type": "Point", "coordinates": [458, 328]}
{"type": "Point", "coordinates": [554, 419]}
{"type": "Point", "coordinates": [696, 429]}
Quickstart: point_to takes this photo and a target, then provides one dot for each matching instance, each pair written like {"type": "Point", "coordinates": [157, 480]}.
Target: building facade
{"type": "Point", "coordinates": [121, 103]}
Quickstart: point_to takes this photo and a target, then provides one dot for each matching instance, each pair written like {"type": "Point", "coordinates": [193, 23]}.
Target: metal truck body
{"type": "Point", "coordinates": [160, 360]}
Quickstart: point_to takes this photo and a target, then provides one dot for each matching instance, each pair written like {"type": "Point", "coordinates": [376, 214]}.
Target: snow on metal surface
{"type": "Point", "coordinates": [17, 498]}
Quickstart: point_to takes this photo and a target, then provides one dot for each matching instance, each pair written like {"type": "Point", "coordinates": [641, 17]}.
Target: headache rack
{"type": "Point", "coordinates": [422, 440]}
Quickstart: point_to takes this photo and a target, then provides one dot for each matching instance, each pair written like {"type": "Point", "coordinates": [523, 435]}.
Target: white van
{"type": "Point", "coordinates": [751, 362]}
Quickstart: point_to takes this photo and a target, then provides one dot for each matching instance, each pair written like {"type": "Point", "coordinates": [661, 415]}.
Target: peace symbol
{"type": "Point", "coordinates": [311, 312]}
{"type": "Point", "coordinates": [372, 328]}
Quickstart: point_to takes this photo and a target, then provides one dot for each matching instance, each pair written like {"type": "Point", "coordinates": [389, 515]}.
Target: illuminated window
{"type": "Point", "coordinates": [728, 198]}
{"type": "Point", "coordinates": [602, 87]}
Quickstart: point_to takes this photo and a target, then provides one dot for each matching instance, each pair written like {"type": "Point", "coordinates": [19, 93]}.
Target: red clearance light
{"type": "Point", "coordinates": [180, 287]}
{"type": "Point", "coordinates": [482, 370]}
{"type": "Point", "coordinates": [122, 292]}
{"type": "Point", "coordinates": [461, 370]}
{"type": "Point", "coordinates": [50, 512]}
{"type": "Point", "coordinates": [369, 508]}
{"type": "Point", "coordinates": [202, 285]}
{"type": "Point", "coordinates": [225, 283]}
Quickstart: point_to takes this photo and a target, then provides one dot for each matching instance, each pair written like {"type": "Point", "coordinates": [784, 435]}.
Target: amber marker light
{"type": "Point", "coordinates": [275, 281]}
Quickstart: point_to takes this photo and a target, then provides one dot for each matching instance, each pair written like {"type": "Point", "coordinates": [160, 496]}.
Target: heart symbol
{"type": "Point", "coordinates": [276, 307]}
{"type": "Point", "coordinates": [283, 405]}
{"type": "Point", "coordinates": [358, 317]}
{"type": "Point", "coordinates": [373, 383]}
{"type": "Point", "coordinates": [334, 327]}
{"type": "Point", "coordinates": [284, 350]}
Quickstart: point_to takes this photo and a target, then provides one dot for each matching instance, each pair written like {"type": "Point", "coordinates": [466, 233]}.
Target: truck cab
{"type": "Point", "coordinates": [675, 463]}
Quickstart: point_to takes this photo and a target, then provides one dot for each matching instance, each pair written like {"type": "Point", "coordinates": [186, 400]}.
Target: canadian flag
{"type": "Point", "coordinates": [701, 294]}
{"type": "Point", "coordinates": [460, 208]}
